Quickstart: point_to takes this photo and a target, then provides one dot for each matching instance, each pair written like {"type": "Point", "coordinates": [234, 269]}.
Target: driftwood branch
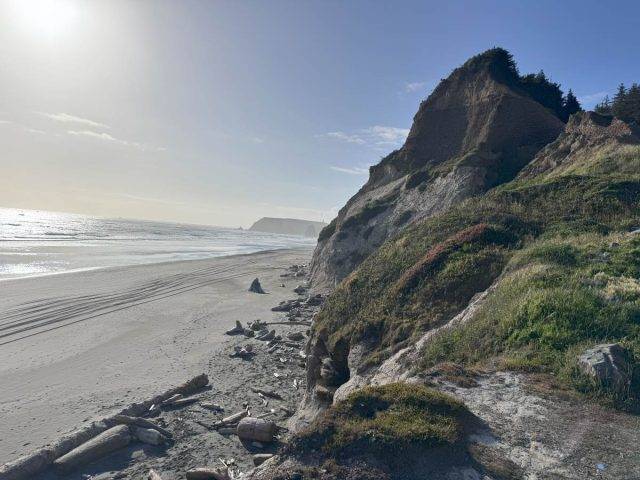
{"type": "Point", "coordinates": [27, 466]}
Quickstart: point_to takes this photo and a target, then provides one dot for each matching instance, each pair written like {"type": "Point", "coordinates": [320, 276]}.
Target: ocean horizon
{"type": "Point", "coordinates": [38, 242]}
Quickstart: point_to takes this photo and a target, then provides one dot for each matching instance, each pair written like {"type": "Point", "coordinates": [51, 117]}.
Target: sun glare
{"type": "Point", "coordinates": [48, 18]}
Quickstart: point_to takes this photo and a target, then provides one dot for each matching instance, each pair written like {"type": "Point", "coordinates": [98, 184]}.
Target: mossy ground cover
{"type": "Point", "coordinates": [385, 420]}
{"type": "Point", "coordinates": [549, 243]}
{"type": "Point", "coordinates": [557, 297]}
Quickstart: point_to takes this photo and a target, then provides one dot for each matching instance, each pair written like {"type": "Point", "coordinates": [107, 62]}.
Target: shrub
{"type": "Point", "coordinates": [385, 420]}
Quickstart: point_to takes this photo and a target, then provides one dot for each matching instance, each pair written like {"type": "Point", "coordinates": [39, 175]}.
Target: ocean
{"type": "Point", "coordinates": [35, 242]}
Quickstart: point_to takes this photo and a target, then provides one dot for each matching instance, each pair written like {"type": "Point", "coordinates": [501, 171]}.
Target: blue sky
{"type": "Point", "coordinates": [220, 112]}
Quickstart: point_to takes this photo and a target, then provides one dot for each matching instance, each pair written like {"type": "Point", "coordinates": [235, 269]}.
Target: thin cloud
{"type": "Point", "coordinates": [411, 87]}
{"type": "Point", "coordinates": [344, 137]}
{"type": "Point", "coordinates": [591, 99]}
{"type": "Point", "coordinates": [388, 135]}
{"type": "Point", "coordinates": [67, 118]}
{"type": "Point", "coordinates": [377, 136]}
{"type": "Point", "coordinates": [110, 138]}
{"type": "Point", "coordinates": [350, 170]}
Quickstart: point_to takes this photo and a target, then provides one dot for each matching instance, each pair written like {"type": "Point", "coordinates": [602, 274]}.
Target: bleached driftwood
{"type": "Point", "coordinates": [172, 399]}
{"type": "Point", "coordinates": [181, 402]}
{"type": "Point", "coordinates": [231, 419]}
{"type": "Point", "coordinates": [267, 393]}
{"type": "Point", "coordinates": [35, 462]}
{"type": "Point", "coordinates": [108, 441]}
{"type": "Point", "coordinates": [141, 422]}
{"type": "Point", "coordinates": [207, 474]}
{"type": "Point", "coordinates": [147, 435]}
{"type": "Point", "coordinates": [252, 428]}
{"type": "Point", "coordinates": [153, 475]}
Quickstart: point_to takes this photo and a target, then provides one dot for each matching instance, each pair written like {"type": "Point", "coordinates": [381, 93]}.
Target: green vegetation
{"type": "Point", "coordinates": [370, 210]}
{"type": "Point", "coordinates": [384, 420]}
{"type": "Point", "coordinates": [327, 231]}
{"type": "Point", "coordinates": [562, 287]}
{"type": "Point", "coordinates": [558, 296]}
{"type": "Point", "coordinates": [536, 85]}
{"type": "Point", "coordinates": [625, 104]}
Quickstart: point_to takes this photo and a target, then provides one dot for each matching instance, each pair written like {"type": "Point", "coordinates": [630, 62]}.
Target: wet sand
{"type": "Point", "coordinates": [78, 346]}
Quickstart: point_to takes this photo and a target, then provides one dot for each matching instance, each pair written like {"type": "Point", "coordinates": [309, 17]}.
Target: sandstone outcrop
{"type": "Point", "coordinates": [476, 130]}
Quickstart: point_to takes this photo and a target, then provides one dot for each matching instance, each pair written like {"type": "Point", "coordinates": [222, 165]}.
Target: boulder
{"type": "Point", "coordinates": [609, 364]}
{"type": "Point", "coordinates": [256, 287]}
{"type": "Point", "coordinates": [300, 289]}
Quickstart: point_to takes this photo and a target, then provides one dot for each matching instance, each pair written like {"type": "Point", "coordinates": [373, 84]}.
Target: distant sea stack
{"type": "Point", "coordinates": [288, 226]}
{"type": "Point", "coordinates": [477, 129]}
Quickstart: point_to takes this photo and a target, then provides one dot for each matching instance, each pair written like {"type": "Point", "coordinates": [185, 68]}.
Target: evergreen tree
{"type": "Point", "coordinates": [604, 107]}
{"type": "Point", "coordinates": [544, 91]}
{"type": "Point", "coordinates": [570, 106]}
{"type": "Point", "coordinates": [633, 103]}
{"type": "Point", "coordinates": [620, 107]}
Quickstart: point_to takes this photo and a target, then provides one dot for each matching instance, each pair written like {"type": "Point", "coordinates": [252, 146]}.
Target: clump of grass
{"type": "Point", "coordinates": [548, 308]}
{"type": "Point", "coordinates": [327, 231]}
{"type": "Point", "coordinates": [385, 420]}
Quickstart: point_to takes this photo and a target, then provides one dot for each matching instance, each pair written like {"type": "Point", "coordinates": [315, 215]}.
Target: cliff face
{"type": "Point", "coordinates": [522, 278]}
{"type": "Point", "coordinates": [288, 226]}
{"type": "Point", "coordinates": [476, 130]}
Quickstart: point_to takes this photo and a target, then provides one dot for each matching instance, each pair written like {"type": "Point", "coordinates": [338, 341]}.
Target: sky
{"type": "Point", "coordinates": [221, 112]}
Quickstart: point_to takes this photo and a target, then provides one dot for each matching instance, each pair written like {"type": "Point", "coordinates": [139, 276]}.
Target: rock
{"type": "Point", "coordinates": [153, 475]}
{"type": "Point", "coordinates": [248, 332]}
{"type": "Point", "coordinates": [267, 336]}
{"type": "Point", "coordinates": [257, 325]}
{"type": "Point", "coordinates": [300, 289]}
{"type": "Point", "coordinates": [328, 372]}
{"type": "Point", "coordinates": [315, 300]}
{"type": "Point", "coordinates": [609, 364]}
{"type": "Point", "coordinates": [256, 287]}
{"type": "Point", "coordinates": [243, 352]}
{"type": "Point", "coordinates": [286, 305]}
{"type": "Point", "coordinates": [295, 336]}
{"type": "Point", "coordinates": [237, 330]}
{"type": "Point", "coordinates": [260, 458]}
{"type": "Point", "coordinates": [324, 393]}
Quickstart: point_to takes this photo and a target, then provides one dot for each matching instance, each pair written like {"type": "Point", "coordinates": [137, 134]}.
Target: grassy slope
{"type": "Point", "coordinates": [385, 420]}
{"type": "Point", "coordinates": [565, 283]}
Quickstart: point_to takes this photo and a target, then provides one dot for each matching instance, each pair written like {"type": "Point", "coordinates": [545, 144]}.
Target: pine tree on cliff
{"type": "Point", "coordinates": [571, 105]}
{"type": "Point", "coordinates": [633, 103]}
{"type": "Point", "coordinates": [620, 107]}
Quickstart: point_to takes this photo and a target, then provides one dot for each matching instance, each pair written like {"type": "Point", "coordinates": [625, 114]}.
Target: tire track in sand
{"type": "Point", "coordinates": [37, 317]}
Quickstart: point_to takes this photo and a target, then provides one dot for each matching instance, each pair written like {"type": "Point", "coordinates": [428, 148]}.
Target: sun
{"type": "Point", "coordinates": [47, 18]}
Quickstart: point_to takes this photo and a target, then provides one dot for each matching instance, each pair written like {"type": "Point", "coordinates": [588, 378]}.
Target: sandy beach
{"type": "Point", "coordinates": [78, 346]}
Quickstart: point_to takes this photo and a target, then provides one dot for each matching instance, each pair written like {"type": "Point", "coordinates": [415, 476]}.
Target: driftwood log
{"type": "Point", "coordinates": [252, 428]}
{"type": "Point", "coordinates": [25, 467]}
{"type": "Point", "coordinates": [147, 435]}
{"type": "Point", "coordinates": [108, 441]}
{"type": "Point", "coordinates": [141, 422]}
{"type": "Point", "coordinates": [231, 419]}
{"type": "Point", "coordinates": [207, 474]}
